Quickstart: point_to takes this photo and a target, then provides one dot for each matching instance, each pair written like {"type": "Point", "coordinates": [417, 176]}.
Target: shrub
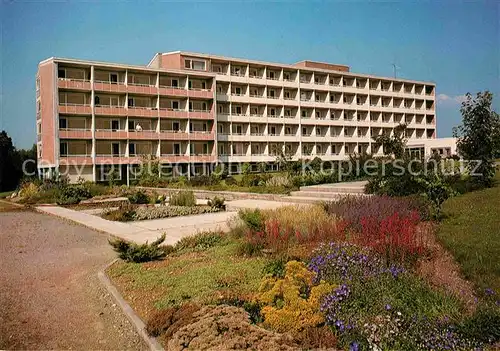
{"type": "Point", "coordinates": [145, 213]}
{"type": "Point", "coordinates": [138, 197]}
{"type": "Point", "coordinates": [73, 194]}
{"type": "Point", "coordinates": [278, 181]}
{"type": "Point", "coordinates": [182, 198]}
{"type": "Point", "coordinates": [132, 252]}
{"type": "Point", "coordinates": [291, 304]}
{"type": "Point", "coordinates": [200, 241]}
{"type": "Point", "coordinates": [203, 180]}
{"type": "Point", "coordinates": [253, 219]}
{"type": "Point", "coordinates": [275, 268]}
{"type": "Point", "coordinates": [124, 213]}
{"type": "Point", "coordinates": [166, 322]}
{"type": "Point", "coordinates": [483, 325]}
{"type": "Point", "coordinates": [229, 328]}
{"type": "Point", "coordinates": [230, 181]}
{"type": "Point", "coordinates": [218, 203]}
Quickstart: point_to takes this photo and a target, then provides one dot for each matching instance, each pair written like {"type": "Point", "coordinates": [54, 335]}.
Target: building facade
{"type": "Point", "coordinates": [192, 111]}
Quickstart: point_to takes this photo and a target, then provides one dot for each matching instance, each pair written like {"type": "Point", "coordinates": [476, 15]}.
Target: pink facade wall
{"type": "Point", "coordinates": [48, 119]}
{"type": "Point", "coordinates": [171, 61]}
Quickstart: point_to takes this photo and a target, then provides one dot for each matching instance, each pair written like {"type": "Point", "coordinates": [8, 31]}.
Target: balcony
{"type": "Point", "coordinates": [173, 158]}
{"type": "Point", "coordinates": [137, 88]}
{"type": "Point", "coordinates": [114, 159]}
{"type": "Point", "coordinates": [143, 135]}
{"type": "Point", "coordinates": [173, 135]}
{"type": "Point", "coordinates": [200, 93]}
{"type": "Point", "coordinates": [77, 84]}
{"type": "Point", "coordinates": [141, 111]}
{"type": "Point", "coordinates": [201, 114]}
{"type": "Point", "coordinates": [109, 110]}
{"type": "Point", "coordinates": [174, 113]}
{"type": "Point", "coordinates": [110, 134]}
{"type": "Point", "coordinates": [201, 135]}
{"type": "Point", "coordinates": [112, 87]}
{"type": "Point", "coordinates": [80, 109]}
{"type": "Point", "coordinates": [75, 133]}
{"type": "Point", "coordinates": [75, 160]}
{"type": "Point", "coordinates": [172, 91]}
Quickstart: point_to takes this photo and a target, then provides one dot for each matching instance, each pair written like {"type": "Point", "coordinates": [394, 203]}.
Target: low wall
{"type": "Point", "coordinates": [227, 195]}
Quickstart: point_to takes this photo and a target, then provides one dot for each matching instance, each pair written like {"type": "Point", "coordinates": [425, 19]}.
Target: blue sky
{"type": "Point", "coordinates": [451, 43]}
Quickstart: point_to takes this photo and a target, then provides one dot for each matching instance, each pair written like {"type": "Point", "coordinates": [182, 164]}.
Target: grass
{"type": "Point", "coordinates": [4, 194]}
{"type": "Point", "coordinates": [197, 276]}
{"type": "Point", "coordinates": [470, 231]}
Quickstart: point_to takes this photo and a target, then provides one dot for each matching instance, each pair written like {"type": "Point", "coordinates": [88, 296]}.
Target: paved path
{"type": "Point", "coordinates": [142, 231]}
{"type": "Point", "coordinates": [50, 296]}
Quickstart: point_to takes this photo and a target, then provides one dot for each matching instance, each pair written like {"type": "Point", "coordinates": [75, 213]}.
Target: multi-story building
{"type": "Point", "coordinates": [194, 110]}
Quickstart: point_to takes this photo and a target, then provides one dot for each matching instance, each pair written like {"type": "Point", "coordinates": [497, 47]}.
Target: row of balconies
{"type": "Point", "coordinates": [324, 101]}
{"type": "Point", "coordinates": [118, 87]}
{"type": "Point", "coordinates": [109, 110]}
{"type": "Point", "coordinates": [317, 79]}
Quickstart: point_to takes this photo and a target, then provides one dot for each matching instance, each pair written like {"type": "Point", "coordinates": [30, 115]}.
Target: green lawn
{"type": "Point", "coordinates": [197, 276]}
{"type": "Point", "coordinates": [471, 232]}
{"type": "Point", "coordinates": [5, 194]}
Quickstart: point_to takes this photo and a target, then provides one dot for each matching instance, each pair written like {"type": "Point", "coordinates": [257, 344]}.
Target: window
{"type": "Point", "coordinates": [273, 112]}
{"type": "Point", "coordinates": [194, 64]}
{"type": "Point", "coordinates": [61, 73]}
{"type": "Point", "coordinates": [318, 98]}
{"type": "Point", "coordinates": [286, 76]}
{"type": "Point", "coordinates": [221, 128]}
{"type": "Point", "coordinates": [39, 128]}
{"type": "Point", "coordinates": [271, 93]}
{"type": "Point", "coordinates": [131, 102]}
{"type": "Point", "coordinates": [205, 149]}
{"type": "Point", "coordinates": [176, 126]}
{"type": "Point", "coordinates": [271, 75]}
{"type": "Point", "coordinates": [288, 130]}
{"type": "Point", "coordinates": [97, 100]}
{"type": "Point", "coordinates": [63, 123]}
{"type": "Point", "coordinates": [175, 105]}
{"type": "Point", "coordinates": [203, 85]}
{"type": "Point", "coordinates": [237, 90]}
{"type": "Point", "coordinates": [175, 83]}
{"type": "Point", "coordinates": [238, 110]}
{"type": "Point", "coordinates": [238, 130]}
{"type": "Point", "coordinates": [115, 149]}
{"type": "Point", "coordinates": [287, 94]}
{"type": "Point", "coordinates": [304, 131]}
{"type": "Point", "coordinates": [113, 78]}
{"type": "Point", "coordinates": [288, 113]}
{"type": "Point", "coordinates": [115, 125]}
{"type": "Point", "coordinates": [63, 149]}
{"type": "Point", "coordinates": [273, 130]}
{"type": "Point", "coordinates": [131, 149]}
{"type": "Point", "coordinates": [303, 113]}
{"type": "Point", "coordinates": [221, 109]}
{"type": "Point", "coordinates": [177, 149]}
{"type": "Point", "coordinates": [131, 125]}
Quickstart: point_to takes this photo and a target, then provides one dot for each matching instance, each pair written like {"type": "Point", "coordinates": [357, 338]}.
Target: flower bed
{"type": "Point", "coordinates": [141, 213]}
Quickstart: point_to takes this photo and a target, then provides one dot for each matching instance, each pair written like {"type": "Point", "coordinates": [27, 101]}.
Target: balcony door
{"type": "Point", "coordinates": [115, 125]}
{"type": "Point", "coordinates": [115, 149]}
{"type": "Point", "coordinates": [177, 149]}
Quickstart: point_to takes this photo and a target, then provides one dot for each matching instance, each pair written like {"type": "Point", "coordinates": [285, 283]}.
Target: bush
{"type": "Point", "coordinates": [138, 197]}
{"type": "Point", "coordinates": [230, 181]}
{"type": "Point", "coordinates": [200, 241]}
{"type": "Point", "coordinates": [124, 213]}
{"type": "Point", "coordinates": [218, 203]}
{"type": "Point", "coordinates": [203, 180]}
{"type": "Point", "coordinates": [166, 322]}
{"type": "Point", "coordinates": [182, 198]}
{"type": "Point", "coordinates": [132, 252]}
{"type": "Point", "coordinates": [73, 194]}
{"type": "Point", "coordinates": [226, 327]}
{"type": "Point", "coordinates": [483, 325]}
{"type": "Point", "coordinates": [291, 304]}
{"type": "Point", "coordinates": [145, 213]}
{"type": "Point", "coordinates": [253, 219]}
{"type": "Point", "coordinates": [275, 268]}
{"type": "Point", "coordinates": [278, 181]}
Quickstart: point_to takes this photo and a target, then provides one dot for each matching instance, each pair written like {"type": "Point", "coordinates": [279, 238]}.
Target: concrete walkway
{"type": "Point", "coordinates": [142, 231]}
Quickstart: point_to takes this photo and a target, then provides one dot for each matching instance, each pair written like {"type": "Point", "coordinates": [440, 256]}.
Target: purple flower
{"type": "Point", "coordinates": [489, 291]}
{"type": "Point", "coordinates": [354, 346]}
{"type": "Point", "coordinates": [387, 307]}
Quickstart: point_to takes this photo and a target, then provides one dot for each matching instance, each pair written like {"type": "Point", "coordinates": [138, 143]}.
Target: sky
{"type": "Point", "coordinates": [454, 44]}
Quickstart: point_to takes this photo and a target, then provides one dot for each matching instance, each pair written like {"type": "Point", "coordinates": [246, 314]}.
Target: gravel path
{"type": "Point", "coordinates": [50, 296]}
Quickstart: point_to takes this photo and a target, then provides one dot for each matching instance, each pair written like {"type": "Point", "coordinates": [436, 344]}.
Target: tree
{"type": "Point", "coordinates": [393, 145]}
{"type": "Point", "coordinates": [478, 136]}
{"type": "Point", "coordinates": [9, 168]}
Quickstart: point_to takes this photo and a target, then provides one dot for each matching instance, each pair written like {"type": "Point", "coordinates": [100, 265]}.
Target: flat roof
{"type": "Point", "coordinates": [291, 66]}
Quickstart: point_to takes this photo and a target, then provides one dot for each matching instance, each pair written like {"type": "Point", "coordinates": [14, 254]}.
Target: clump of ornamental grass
{"type": "Point", "coordinates": [132, 252]}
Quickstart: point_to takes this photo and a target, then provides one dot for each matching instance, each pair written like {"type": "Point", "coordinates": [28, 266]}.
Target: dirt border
{"type": "Point", "coordinates": [127, 310]}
